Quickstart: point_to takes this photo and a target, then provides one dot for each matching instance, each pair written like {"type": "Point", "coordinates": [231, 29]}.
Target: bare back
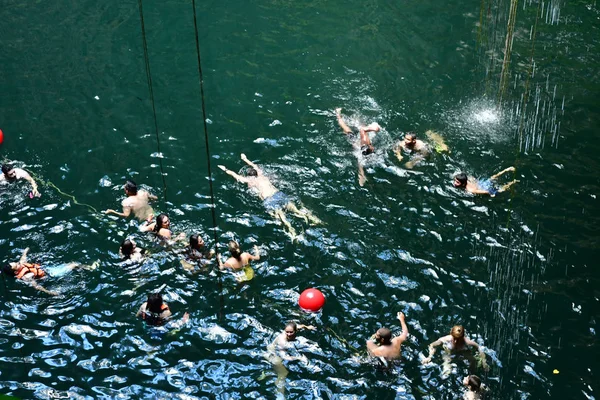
{"type": "Point", "coordinates": [390, 351]}
{"type": "Point", "coordinates": [263, 186]}
{"type": "Point", "coordinates": [236, 264]}
{"type": "Point", "coordinates": [138, 205]}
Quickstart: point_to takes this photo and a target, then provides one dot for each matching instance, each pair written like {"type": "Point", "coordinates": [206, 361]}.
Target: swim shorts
{"type": "Point", "coordinates": [278, 201]}
{"type": "Point", "coordinates": [488, 185]}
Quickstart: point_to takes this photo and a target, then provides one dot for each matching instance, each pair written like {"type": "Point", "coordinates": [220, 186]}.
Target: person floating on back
{"type": "Point", "coordinates": [136, 202]}
{"type": "Point", "coordinates": [239, 262]}
{"type": "Point", "coordinates": [30, 272]}
{"type": "Point", "coordinates": [11, 174]}
{"type": "Point", "coordinates": [483, 186]}
{"type": "Point", "coordinates": [363, 142]}
{"type": "Point", "coordinates": [383, 346]}
{"type": "Point", "coordinates": [275, 201]}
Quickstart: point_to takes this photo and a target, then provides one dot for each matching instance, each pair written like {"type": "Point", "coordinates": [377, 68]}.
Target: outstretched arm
{"type": "Point", "coordinates": [250, 163]}
{"type": "Point", "coordinates": [31, 282]}
{"type": "Point", "coordinates": [256, 255]}
{"type": "Point", "coordinates": [338, 113]}
{"type": "Point", "coordinates": [23, 258]}
{"type": "Point", "coordinates": [235, 176]}
{"type": "Point", "coordinates": [398, 150]}
{"type": "Point", "coordinates": [34, 186]}
{"type": "Point", "coordinates": [309, 327]}
{"type": "Point", "coordinates": [126, 212]}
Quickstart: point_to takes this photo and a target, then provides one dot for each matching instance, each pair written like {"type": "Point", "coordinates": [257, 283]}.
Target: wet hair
{"type": "Point", "coordinates": [386, 335]}
{"type": "Point", "coordinates": [159, 222]}
{"type": "Point", "coordinates": [474, 383]}
{"type": "Point", "coordinates": [411, 136]}
{"type": "Point", "coordinates": [154, 303]}
{"type": "Point", "coordinates": [7, 270]}
{"type": "Point", "coordinates": [127, 247]}
{"type": "Point", "coordinates": [458, 333]}
{"type": "Point", "coordinates": [234, 249]}
{"type": "Point", "coordinates": [367, 149]}
{"type": "Point", "coordinates": [293, 325]}
{"type": "Point", "coordinates": [194, 241]}
{"type": "Point", "coordinates": [462, 178]}
{"type": "Point", "coordinates": [6, 168]}
{"type": "Point", "coordinates": [131, 187]}
{"type": "Point", "coordinates": [252, 172]}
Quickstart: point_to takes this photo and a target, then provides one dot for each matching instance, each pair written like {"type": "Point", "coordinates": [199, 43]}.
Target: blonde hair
{"type": "Point", "coordinates": [234, 249]}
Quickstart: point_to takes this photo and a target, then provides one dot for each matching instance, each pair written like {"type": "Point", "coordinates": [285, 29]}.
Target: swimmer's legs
{"type": "Point", "coordinates": [361, 175]}
{"type": "Point", "coordinates": [508, 185]}
{"type": "Point", "coordinates": [281, 372]}
{"type": "Point", "coordinates": [341, 123]}
{"type": "Point", "coordinates": [303, 213]}
{"type": "Point", "coordinates": [279, 214]}
{"type": "Point", "coordinates": [499, 174]}
{"type": "Point", "coordinates": [74, 265]}
{"type": "Point", "coordinates": [446, 365]}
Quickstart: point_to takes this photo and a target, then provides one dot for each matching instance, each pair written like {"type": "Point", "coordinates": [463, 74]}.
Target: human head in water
{"type": "Point", "coordinates": [252, 172]}
{"type": "Point", "coordinates": [127, 248]}
{"type": "Point", "coordinates": [234, 249]}
{"type": "Point", "coordinates": [410, 139]}
{"type": "Point", "coordinates": [472, 382]}
{"type": "Point", "coordinates": [458, 334]}
{"type": "Point", "coordinates": [154, 303]}
{"type": "Point", "coordinates": [130, 188]}
{"type": "Point", "coordinates": [384, 336]}
{"type": "Point", "coordinates": [460, 180]}
{"type": "Point", "coordinates": [8, 270]}
{"type": "Point", "coordinates": [196, 242]}
{"type": "Point", "coordinates": [162, 222]}
{"type": "Point", "coordinates": [367, 149]}
{"type": "Point", "coordinates": [9, 172]}
{"type": "Point", "coordinates": [290, 330]}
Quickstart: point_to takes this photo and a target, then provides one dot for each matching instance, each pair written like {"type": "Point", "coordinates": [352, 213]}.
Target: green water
{"type": "Point", "coordinates": [518, 271]}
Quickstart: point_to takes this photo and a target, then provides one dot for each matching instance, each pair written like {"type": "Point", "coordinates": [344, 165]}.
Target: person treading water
{"type": "Point", "coordinates": [239, 262]}
{"type": "Point", "coordinates": [383, 346]}
{"type": "Point", "coordinates": [11, 174]}
{"type": "Point", "coordinates": [136, 202]}
{"type": "Point", "coordinates": [456, 343]}
{"type": "Point", "coordinates": [275, 201]}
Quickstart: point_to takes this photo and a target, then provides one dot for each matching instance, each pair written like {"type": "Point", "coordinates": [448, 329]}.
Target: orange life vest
{"type": "Point", "coordinates": [26, 268]}
{"type": "Point", "coordinates": [154, 318]}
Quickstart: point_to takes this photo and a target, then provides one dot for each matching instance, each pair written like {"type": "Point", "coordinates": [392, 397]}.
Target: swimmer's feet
{"type": "Point", "coordinates": [92, 267]}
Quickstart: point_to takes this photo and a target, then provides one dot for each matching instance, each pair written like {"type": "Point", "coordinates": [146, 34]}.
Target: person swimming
{"type": "Point", "coordinates": [130, 252]}
{"type": "Point", "coordinates": [136, 202]}
{"type": "Point", "coordinates": [161, 228]}
{"type": "Point", "coordinates": [196, 254]}
{"type": "Point", "coordinates": [11, 174]}
{"type": "Point", "coordinates": [274, 201]}
{"type": "Point", "coordinates": [154, 311]}
{"type": "Point", "coordinates": [482, 186]}
{"type": "Point", "coordinates": [239, 262]}
{"type": "Point", "coordinates": [384, 346]}
{"type": "Point", "coordinates": [474, 387]}
{"type": "Point", "coordinates": [363, 142]}
{"type": "Point", "coordinates": [454, 343]}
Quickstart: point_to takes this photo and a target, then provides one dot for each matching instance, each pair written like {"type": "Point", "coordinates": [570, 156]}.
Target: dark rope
{"type": "Point", "coordinates": [149, 79]}
{"type": "Point", "coordinates": [210, 179]}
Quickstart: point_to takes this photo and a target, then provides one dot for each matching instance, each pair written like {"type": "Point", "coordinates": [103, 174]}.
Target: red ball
{"type": "Point", "coordinates": [1, 136]}
{"type": "Point", "coordinates": [311, 300]}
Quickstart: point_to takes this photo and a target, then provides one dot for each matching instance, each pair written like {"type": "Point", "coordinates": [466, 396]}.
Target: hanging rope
{"type": "Point", "coordinates": [149, 79]}
{"type": "Point", "coordinates": [210, 179]}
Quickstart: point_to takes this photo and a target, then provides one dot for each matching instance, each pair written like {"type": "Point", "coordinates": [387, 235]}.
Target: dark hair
{"type": "Point", "coordinates": [293, 325]}
{"type": "Point", "coordinates": [159, 222]}
{"type": "Point", "coordinates": [131, 187]}
{"type": "Point", "coordinates": [195, 240]}
{"type": "Point", "coordinates": [474, 383]}
{"type": "Point", "coordinates": [6, 168]}
{"type": "Point", "coordinates": [386, 335]}
{"type": "Point", "coordinates": [410, 135]}
{"type": "Point", "coordinates": [252, 172]}
{"type": "Point", "coordinates": [127, 247]}
{"type": "Point", "coordinates": [7, 270]}
{"type": "Point", "coordinates": [154, 303]}
{"type": "Point", "coordinates": [367, 149]}
{"type": "Point", "coordinates": [234, 249]}
{"type": "Point", "coordinates": [462, 178]}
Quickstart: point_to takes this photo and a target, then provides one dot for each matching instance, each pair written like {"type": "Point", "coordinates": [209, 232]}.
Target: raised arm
{"type": "Point", "coordinates": [250, 163]}
{"type": "Point", "coordinates": [398, 150]}
{"type": "Point", "coordinates": [404, 334]}
{"type": "Point", "coordinates": [23, 258]}
{"type": "Point", "coordinates": [235, 176]}
{"type": "Point", "coordinates": [256, 255]}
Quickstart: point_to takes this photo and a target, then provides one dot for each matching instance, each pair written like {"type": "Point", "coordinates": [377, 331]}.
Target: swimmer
{"type": "Point", "coordinates": [29, 272]}
{"type": "Point", "coordinates": [474, 387]}
{"type": "Point", "coordinates": [156, 312]}
{"type": "Point", "coordinates": [382, 344]}
{"type": "Point", "coordinates": [196, 253]}
{"type": "Point", "coordinates": [130, 252]}
{"type": "Point", "coordinates": [136, 202]}
{"type": "Point", "coordinates": [485, 186]}
{"type": "Point", "coordinates": [363, 143]}
{"type": "Point", "coordinates": [239, 261]}
{"type": "Point", "coordinates": [275, 201]}
{"type": "Point", "coordinates": [456, 342]}
{"type": "Point", "coordinates": [161, 228]}
{"type": "Point", "coordinates": [412, 145]}
{"type": "Point", "coordinates": [278, 351]}
{"type": "Point", "coordinates": [11, 174]}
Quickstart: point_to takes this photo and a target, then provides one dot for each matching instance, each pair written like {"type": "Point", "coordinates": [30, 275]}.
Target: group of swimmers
{"type": "Point", "coordinates": [155, 311]}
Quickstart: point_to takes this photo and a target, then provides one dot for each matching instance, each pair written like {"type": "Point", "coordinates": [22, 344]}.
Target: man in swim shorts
{"type": "Point", "coordinates": [483, 186]}
{"type": "Point", "coordinates": [412, 145]}
{"type": "Point", "coordinates": [363, 143]}
{"type": "Point", "coordinates": [275, 201]}
{"type": "Point", "coordinates": [136, 202]}
{"type": "Point", "coordinates": [11, 174]}
{"type": "Point", "coordinates": [382, 344]}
